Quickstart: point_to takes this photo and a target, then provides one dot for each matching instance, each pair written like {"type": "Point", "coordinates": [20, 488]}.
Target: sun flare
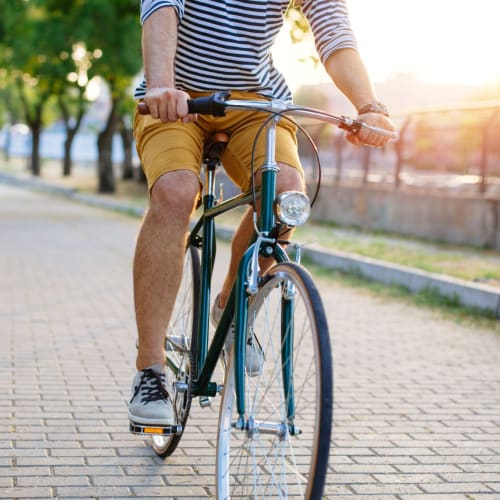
{"type": "Point", "coordinates": [443, 41]}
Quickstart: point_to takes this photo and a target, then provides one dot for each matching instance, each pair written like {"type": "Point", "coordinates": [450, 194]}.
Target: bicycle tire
{"type": "Point", "coordinates": [263, 463]}
{"type": "Point", "coordinates": [179, 349]}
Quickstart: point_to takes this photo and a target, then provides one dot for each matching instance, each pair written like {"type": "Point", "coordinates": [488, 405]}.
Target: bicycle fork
{"type": "Point", "coordinates": [247, 285]}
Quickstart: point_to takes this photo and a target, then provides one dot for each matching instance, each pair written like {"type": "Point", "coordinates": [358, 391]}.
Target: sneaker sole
{"type": "Point", "coordinates": [160, 422]}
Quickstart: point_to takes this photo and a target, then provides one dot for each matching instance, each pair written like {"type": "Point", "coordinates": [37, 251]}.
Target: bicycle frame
{"type": "Point", "coordinates": [207, 357]}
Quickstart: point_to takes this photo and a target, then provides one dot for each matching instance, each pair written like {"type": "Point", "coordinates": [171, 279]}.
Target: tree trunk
{"type": "Point", "coordinates": [141, 176]}
{"type": "Point", "coordinates": [35, 150]}
{"type": "Point", "coordinates": [127, 141]}
{"type": "Point", "coordinates": [106, 180]}
{"type": "Point", "coordinates": [35, 126]}
{"type": "Point", "coordinates": [71, 130]}
{"type": "Point", "coordinates": [33, 117]}
{"type": "Point", "coordinates": [6, 150]}
{"type": "Point", "coordinates": [68, 160]}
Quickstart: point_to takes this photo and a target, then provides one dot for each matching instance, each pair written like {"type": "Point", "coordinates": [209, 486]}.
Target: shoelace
{"type": "Point", "coordinates": [151, 387]}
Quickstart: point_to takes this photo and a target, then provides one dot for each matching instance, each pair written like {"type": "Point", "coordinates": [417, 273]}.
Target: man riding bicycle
{"type": "Point", "coordinates": [192, 48]}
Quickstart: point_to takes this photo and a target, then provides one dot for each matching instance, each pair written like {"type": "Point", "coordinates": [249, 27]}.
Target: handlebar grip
{"type": "Point", "coordinates": [210, 105]}
{"type": "Point", "coordinates": [381, 131]}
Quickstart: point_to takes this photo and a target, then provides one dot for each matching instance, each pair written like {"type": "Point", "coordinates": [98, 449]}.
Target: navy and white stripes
{"type": "Point", "coordinates": [226, 44]}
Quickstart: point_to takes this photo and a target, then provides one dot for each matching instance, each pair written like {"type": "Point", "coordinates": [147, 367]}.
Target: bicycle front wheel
{"type": "Point", "coordinates": [179, 350]}
{"type": "Point", "coordinates": [282, 451]}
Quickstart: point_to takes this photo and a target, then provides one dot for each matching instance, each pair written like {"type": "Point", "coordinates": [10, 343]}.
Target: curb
{"type": "Point", "coordinates": [479, 296]}
{"type": "Point", "coordinates": [468, 294]}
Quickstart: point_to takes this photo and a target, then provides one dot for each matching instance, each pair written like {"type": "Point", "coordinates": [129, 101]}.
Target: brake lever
{"type": "Point", "coordinates": [354, 126]}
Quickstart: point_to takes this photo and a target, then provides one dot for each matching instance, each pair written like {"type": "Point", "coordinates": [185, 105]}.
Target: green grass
{"type": "Point", "coordinates": [468, 263]}
{"type": "Point", "coordinates": [447, 307]}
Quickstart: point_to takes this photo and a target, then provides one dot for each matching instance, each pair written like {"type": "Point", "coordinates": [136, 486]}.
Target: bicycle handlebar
{"type": "Point", "coordinates": [217, 104]}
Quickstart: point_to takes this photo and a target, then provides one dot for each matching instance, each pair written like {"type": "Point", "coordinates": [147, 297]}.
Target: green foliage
{"type": "Point", "coordinates": [300, 31]}
{"type": "Point", "coordinates": [112, 31]}
{"type": "Point", "coordinates": [58, 46]}
{"type": "Point", "coordinates": [52, 49]}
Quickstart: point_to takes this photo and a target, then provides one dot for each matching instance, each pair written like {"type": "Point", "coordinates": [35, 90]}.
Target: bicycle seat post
{"type": "Point", "coordinates": [213, 149]}
{"type": "Point", "coordinates": [212, 152]}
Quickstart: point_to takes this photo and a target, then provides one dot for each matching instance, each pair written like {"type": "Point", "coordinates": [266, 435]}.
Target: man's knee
{"type": "Point", "coordinates": [289, 179]}
{"type": "Point", "coordinates": [175, 194]}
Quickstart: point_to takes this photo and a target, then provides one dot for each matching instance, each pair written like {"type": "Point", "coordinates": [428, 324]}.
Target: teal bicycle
{"type": "Point", "coordinates": [275, 425]}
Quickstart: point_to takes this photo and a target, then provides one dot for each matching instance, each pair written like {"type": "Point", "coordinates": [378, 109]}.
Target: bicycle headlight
{"type": "Point", "coordinates": [292, 208]}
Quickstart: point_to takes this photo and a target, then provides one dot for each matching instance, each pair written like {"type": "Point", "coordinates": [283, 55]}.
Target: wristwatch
{"type": "Point", "coordinates": [374, 107]}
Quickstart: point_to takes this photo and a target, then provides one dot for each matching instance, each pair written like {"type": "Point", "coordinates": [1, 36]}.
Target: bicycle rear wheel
{"type": "Point", "coordinates": [178, 363]}
{"type": "Point", "coordinates": [283, 450]}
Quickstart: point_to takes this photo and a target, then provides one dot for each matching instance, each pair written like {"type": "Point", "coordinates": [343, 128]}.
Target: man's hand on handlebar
{"type": "Point", "coordinates": [168, 104]}
{"type": "Point", "coordinates": [365, 136]}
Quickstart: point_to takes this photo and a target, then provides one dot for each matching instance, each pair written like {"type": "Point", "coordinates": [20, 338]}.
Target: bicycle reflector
{"type": "Point", "coordinates": [292, 208]}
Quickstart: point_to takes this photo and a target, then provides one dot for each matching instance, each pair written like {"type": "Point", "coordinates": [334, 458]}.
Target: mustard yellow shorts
{"type": "Point", "coordinates": [166, 147]}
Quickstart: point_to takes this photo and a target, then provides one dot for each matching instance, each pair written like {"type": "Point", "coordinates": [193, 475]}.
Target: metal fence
{"type": "Point", "coordinates": [445, 148]}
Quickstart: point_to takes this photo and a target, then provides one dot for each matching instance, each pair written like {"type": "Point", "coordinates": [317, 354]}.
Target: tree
{"type": "Point", "coordinates": [119, 44]}
{"type": "Point", "coordinates": [10, 107]}
{"type": "Point", "coordinates": [72, 96]}
{"type": "Point", "coordinates": [126, 133]}
{"type": "Point", "coordinates": [23, 29]}
{"type": "Point", "coordinates": [39, 43]}
{"type": "Point", "coordinates": [76, 69]}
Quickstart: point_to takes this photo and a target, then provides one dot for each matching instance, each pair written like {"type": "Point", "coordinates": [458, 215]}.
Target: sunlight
{"type": "Point", "coordinates": [94, 88]}
{"type": "Point", "coordinates": [439, 41]}
{"type": "Point", "coordinates": [443, 41]}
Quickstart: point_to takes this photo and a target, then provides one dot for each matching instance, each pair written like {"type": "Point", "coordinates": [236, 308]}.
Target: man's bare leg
{"type": "Point", "coordinates": [289, 179]}
{"type": "Point", "coordinates": [158, 261]}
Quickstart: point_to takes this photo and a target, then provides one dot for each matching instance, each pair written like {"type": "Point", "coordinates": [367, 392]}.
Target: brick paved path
{"type": "Point", "coordinates": [417, 397]}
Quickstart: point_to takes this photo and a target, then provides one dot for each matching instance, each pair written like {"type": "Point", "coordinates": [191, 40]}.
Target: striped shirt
{"type": "Point", "coordinates": [226, 44]}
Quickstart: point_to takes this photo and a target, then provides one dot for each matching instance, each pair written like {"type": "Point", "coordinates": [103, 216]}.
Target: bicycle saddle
{"type": "Point", "coordinates": [213, 148]}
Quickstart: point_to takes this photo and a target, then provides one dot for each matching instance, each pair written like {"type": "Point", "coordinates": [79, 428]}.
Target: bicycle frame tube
{"type": "Point", "coordinates": [237, 303]}
{"type": "Point", "coordinates": [207, 262]}
{"type": "Point", "coordinates": [287, 333]}
{"type": "Point", "coordinates": [269, 172]}
{"type": "Point", "coordinates": [266, 222]}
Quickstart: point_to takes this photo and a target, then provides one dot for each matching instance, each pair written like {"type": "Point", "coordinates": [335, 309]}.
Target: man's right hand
{"type": "Point", "coordinates": [168, 104]}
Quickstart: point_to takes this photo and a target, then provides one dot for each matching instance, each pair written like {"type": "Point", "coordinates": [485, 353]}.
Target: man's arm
{"type": "Point", "coordinates": [349, 74]}
{"type": "Point", "coordinates": [159, 44]}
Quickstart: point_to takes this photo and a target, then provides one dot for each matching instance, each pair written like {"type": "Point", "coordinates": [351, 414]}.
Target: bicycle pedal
{"type": "Point", "coordinates": [143, 429]}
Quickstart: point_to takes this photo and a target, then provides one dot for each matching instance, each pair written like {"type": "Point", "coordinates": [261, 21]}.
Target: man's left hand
{"type": "Point", "coordinates": [369, 138]}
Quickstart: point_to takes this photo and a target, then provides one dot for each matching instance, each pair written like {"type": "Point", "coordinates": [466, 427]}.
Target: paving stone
{"type": "Point", "coordinates": [417, 410]}
{"type": "Point", "coordinates": [28, 492]}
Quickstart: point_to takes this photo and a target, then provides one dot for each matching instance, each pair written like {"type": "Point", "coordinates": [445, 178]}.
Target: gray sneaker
{"type": "Point", "coordinates": [254, 355]}
{"type": "Point", "coordinates": [150, 403]}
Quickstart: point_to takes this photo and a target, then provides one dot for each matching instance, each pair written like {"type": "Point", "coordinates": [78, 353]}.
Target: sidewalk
{"type": "Point", "coordinates": [417, 406]}
{"type": "Point", "coordinates": [467, 293]}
